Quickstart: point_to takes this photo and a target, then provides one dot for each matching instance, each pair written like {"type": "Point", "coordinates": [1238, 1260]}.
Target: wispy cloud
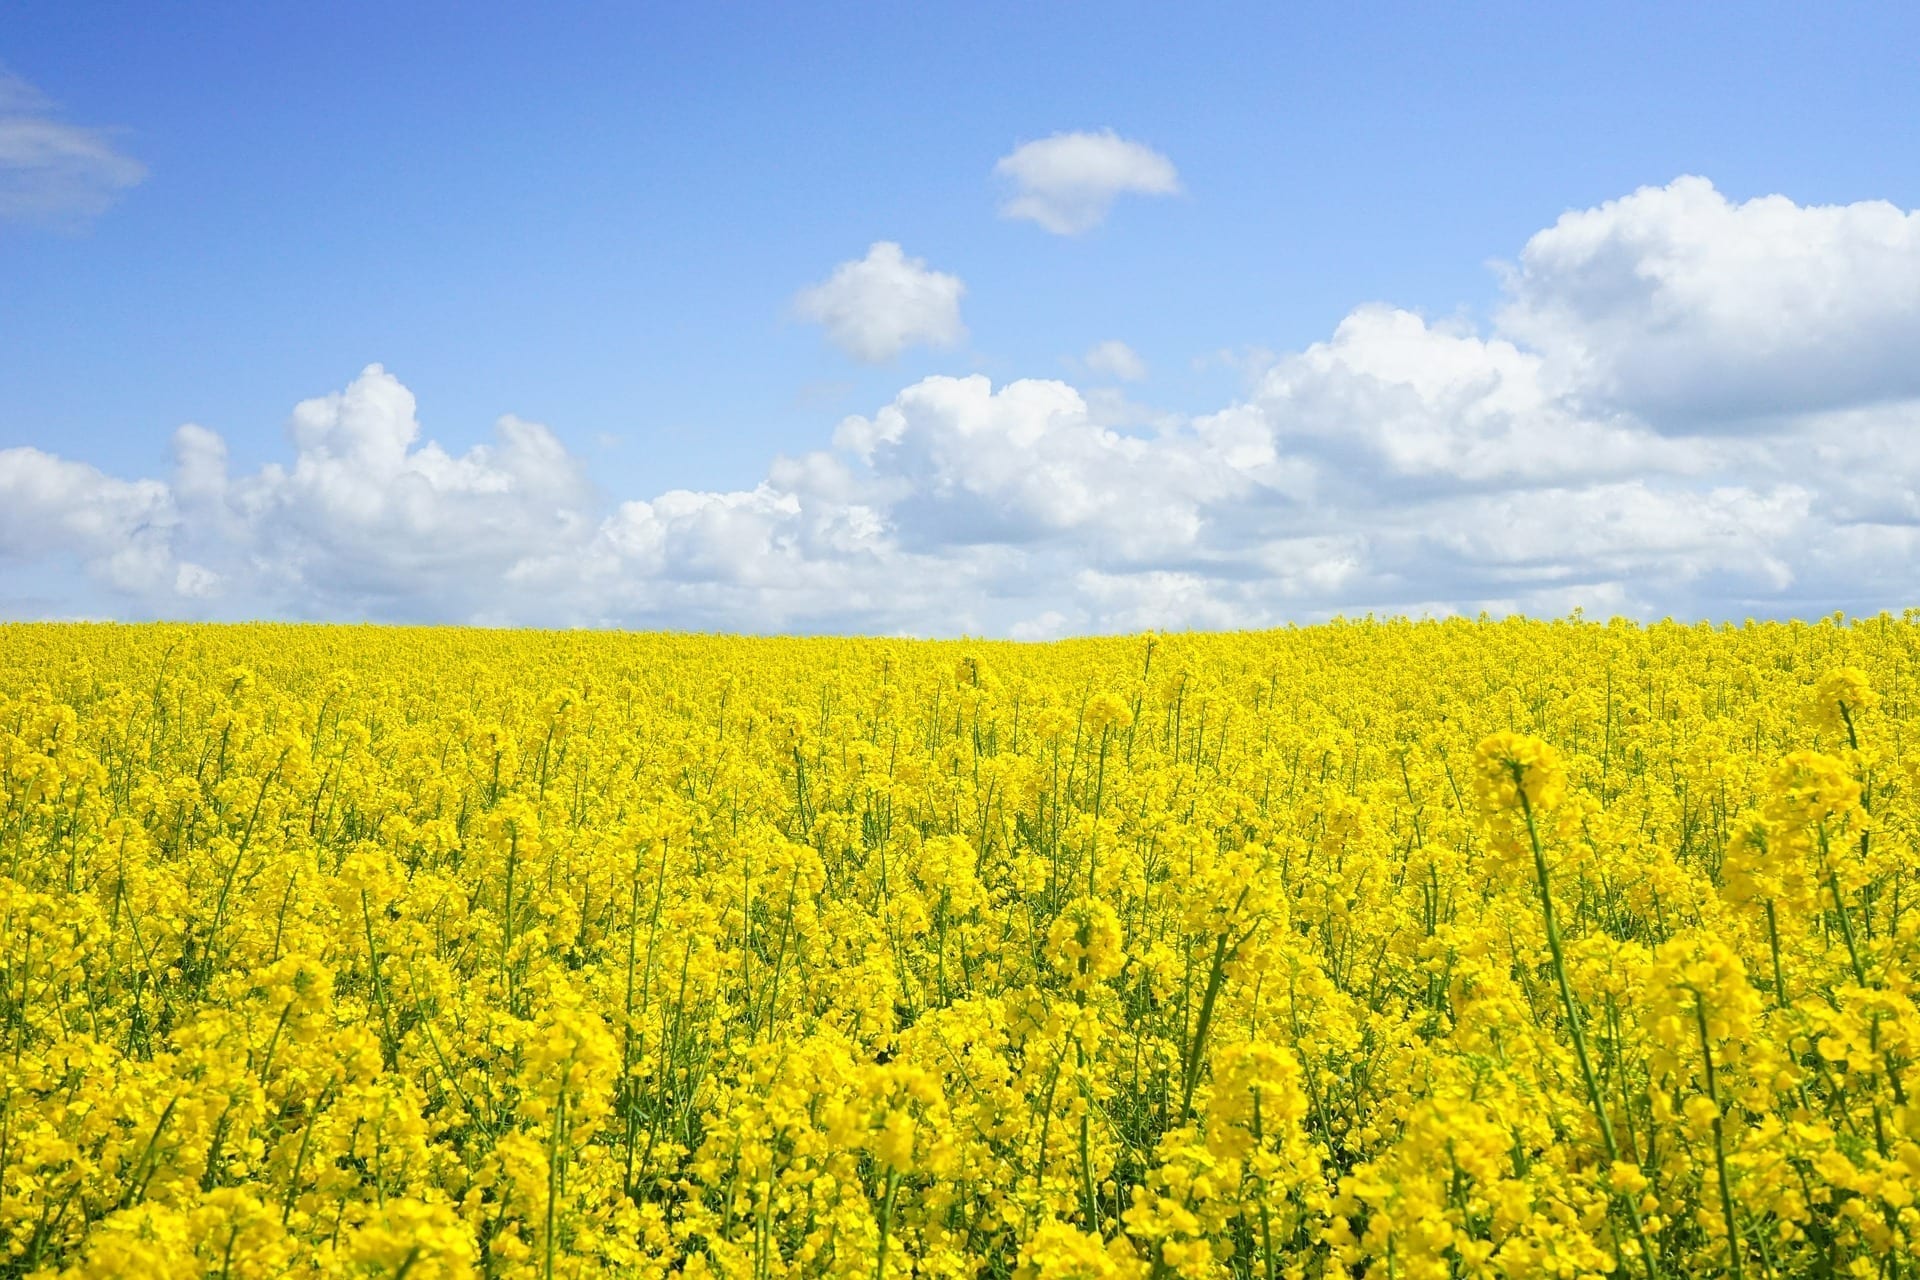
{"type": "Point", "coordinates": [53, 173]}
{"type": "Point", "coordinates": [1115, 359]}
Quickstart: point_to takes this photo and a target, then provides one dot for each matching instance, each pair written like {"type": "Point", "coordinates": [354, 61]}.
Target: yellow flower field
{"type": "Point", "coordinates": [1385, 949]}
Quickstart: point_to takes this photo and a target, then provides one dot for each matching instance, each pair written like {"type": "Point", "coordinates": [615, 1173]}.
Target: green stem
{"type": "Point", "coordinates": [1573, 1013]}
{"type": "Point", "coordinates": [886, 1226]}
{"type": "Point", "coordinates": [1719, 1139]}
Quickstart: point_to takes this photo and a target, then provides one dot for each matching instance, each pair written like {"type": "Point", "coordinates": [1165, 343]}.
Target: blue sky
{"type": "Point", "coordinates": [599, 219]}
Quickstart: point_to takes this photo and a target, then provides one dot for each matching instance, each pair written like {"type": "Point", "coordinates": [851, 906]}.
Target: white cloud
{"type": "Point", "coordinates": [1050, 625]}
{"type": "Point", "coordinates": [875, 307]}
{"type": "Point", "coordinates": [1400, 465]}
{"type": "Point", "coordinates": [1394, 398]}
{"type": "Point", "coordinates": [965, 464]}
{"type": "Point", "coordinates": [120, 531]}
{"type": "Point", "coordinates": [1164, 600]}
{"type": "Point", "coordinates": [1627, 530]}
{"type": "Point", "coordinates": [1067, 182]}
{"type": "Point", "coordinates": [1117, 360]}
{"type": "Point", "coordinates": [368, 516]}
{"type": "Point", "coordinates": [52, 172]}
{"type": "Point", "coordinates": [1688, 309]}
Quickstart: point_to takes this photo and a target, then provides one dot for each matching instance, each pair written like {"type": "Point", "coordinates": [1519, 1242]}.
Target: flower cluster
{"type": "Point", "coordinates": [1364, 950]}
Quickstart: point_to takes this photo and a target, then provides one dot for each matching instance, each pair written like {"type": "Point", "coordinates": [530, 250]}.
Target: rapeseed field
{"type": "Point", "coordinates": [1374, 948]}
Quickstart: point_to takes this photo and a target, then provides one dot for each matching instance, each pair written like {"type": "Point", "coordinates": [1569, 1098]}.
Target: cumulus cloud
{"type": "Point", "coordinates": [53, 172]}
{"type": "Point", "coordinates": [1068, 182]}
{"type": "Point", "coordinates": [1396, 399]}
{"type": "Point", "coordinates": [962, 463]}
{"type": "Point", "coordinates": [121, 532]}
{"type": "Point", "coordinates": [1115, 359]}
{"type": "Point", "coordinates": [1622, 531]}
{"type": "Point", "coordinates": [1688, 309]}
{"type": "Point", "coordinates": [1401, 465]}
{"type": "Point", "coordinates": [875, 307]}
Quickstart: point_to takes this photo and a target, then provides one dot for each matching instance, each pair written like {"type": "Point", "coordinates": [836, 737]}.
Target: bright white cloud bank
{"type": "Point", "coordinates": [1603, 446]}
{"type": "Point", "coordinates": [1692, 310]}
{"type": "Point", "coordinates": [875, 307]}
{"type": "Point", "coordinates": [1067, 182]}
{"type": "Point", "coordinates": [51, 171]}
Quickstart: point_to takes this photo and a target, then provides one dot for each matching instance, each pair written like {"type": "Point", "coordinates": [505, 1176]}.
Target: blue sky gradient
{"type": "Point", "coordinates": [597, 217]}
